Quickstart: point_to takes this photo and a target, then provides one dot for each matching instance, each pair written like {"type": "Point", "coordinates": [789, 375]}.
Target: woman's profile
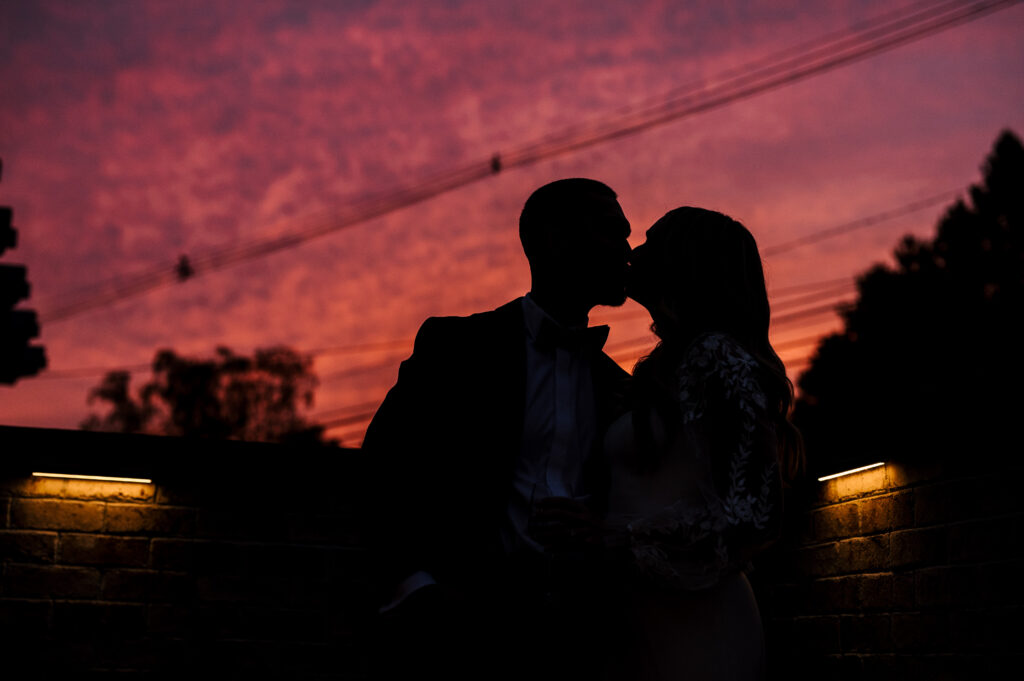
{"type": "Point", "coordinates": [697, 464]}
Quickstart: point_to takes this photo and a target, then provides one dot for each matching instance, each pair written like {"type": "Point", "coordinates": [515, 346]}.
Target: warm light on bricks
{"type": "Point", "coordinates": [851, 471]}
{"type": "Point", "coordinates": [102, 478]}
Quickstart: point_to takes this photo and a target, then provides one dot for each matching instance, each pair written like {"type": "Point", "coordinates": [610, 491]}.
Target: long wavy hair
{"type": "Point", "coordinates": [704, 270]}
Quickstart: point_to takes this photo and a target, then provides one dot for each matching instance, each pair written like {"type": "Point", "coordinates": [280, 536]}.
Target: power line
{"type": "Point", "coordinates": [818, 311]}
{"type": "Point", "coordinates": [797, 342]}
{"type": "Point", "coordinates": [355, 348]}
{"type": "Point", "coordinates": [347, 410]}
{"type": "Point", "coordinates": [812, 298]}
{"type": "Point", "coordinates": [860, 223]}
{"type": "Point", "coordinates": [347, 420]}
{"type": "Point", "coordinates": [832, 292]}
{"type": "Point", "coordinates": [774, 293]}
{"type": "Point", "coordinates": [863, 40]}
{"type": "Point", "coordinates": [405, 344]}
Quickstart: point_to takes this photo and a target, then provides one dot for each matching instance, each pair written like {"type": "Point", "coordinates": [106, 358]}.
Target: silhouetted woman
{"type": "Point", "coordinates": [697, 464]}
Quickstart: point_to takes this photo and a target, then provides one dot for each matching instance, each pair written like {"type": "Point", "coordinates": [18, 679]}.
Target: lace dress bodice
{"type": "Point", "coordinates": [715, 492]}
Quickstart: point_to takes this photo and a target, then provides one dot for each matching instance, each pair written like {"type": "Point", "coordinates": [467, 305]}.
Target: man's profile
{"type": "Point", "coordinates": [491, 415]}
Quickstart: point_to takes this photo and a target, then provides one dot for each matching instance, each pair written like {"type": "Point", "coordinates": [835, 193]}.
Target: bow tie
{"type": "Point", "coordinates": [590, 338]}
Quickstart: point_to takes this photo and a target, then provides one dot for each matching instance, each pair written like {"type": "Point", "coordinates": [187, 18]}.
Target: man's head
{"type": "Point", "coordinates": [574, 234]}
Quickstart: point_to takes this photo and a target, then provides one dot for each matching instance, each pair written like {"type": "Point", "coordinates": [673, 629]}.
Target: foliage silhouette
{"type": "Point", "coordinates": [929, 362]}
{"type": "Point", "coordinates": [226, 397]}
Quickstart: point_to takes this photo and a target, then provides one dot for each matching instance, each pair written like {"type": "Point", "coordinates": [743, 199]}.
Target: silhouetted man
{"type": "Point", "coordinates": [492, 414]}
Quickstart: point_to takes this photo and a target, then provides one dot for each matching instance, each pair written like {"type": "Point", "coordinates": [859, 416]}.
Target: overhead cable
{"type": "Point", "coordinates": [884, 32]}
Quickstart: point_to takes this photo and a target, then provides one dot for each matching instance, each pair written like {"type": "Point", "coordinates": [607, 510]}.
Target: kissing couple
{"type": "Point", "coordinates": [538, 512]}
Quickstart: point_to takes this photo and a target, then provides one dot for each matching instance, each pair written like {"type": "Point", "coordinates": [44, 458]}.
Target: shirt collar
{"type": "Point", "coordinates": [539, 326]}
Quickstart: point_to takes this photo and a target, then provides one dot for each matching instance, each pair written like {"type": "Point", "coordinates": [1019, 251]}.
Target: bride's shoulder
{"type": "Point", "coordinates": [716, 365]}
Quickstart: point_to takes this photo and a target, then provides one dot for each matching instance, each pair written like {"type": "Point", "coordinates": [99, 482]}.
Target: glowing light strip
{"type": "Point", "coordinates": [855, 470]}
{"type": "Point", "coordinates": [105, 478]}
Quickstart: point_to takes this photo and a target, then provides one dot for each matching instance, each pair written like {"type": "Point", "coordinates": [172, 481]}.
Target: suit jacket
{"type": "Point", "coordinates": [444, 443]}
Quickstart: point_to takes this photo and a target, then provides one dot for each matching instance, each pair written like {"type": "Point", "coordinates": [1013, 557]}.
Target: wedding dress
{"type": "Point", "coordinates": [689, 524]}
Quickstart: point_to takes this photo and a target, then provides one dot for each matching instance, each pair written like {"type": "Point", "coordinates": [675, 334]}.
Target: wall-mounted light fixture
{"type": "Point", "coordinates": [851, 471]}
{"type": "Point", "coordinates": [102, 478]}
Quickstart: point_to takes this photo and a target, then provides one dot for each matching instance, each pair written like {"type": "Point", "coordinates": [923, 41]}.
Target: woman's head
{"type": "Point", "coordinates": [700, 271]}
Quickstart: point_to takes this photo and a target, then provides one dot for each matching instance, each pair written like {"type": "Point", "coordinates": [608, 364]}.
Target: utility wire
{"type": "Point", "coordinates": [797, 342]}
{"type": "Point", "coordinates": [860, 223]}
{"type": "Point", "coordinates": [782, 291]}
{"type": "Point", "coordinates": [346, 420]}
{"type": "Point", "coordinates": [861, 41]}
{"type": "Point", "coordinates": [405, 344]}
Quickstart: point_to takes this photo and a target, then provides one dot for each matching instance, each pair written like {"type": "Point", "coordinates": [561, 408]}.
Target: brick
{"type": "Point", "coordinates": [787, 600]}
{"type": "Point", "coordinates": [919, 547]}
{"type": "Point", "coordinates": [955, 667]}
{"type": "Point", "coordinates": [971, 499]}
{"type": "Point", "coordinates": [1000, 583]}
{"type": "Point", "coordinates": [281, 624]}
{"type": "Point", "coordinates": [920, 632]}
{"type": "Point", "coordinates": [5, 511]}
{"type": "Point", "coordinates": [232, 589]}
{"type": "Point", "coordinates": [900, 475]}
{"type": "Point", "coordinates": [884, 514]}
{"type": "Point", "coordinates": [887, 667]}
{"type": "Point", "coordinates": [54, 514]}
{"type": "Point", "coordinates": [862, 554]}
{"type": "Point", "coordinates": [218, 620]}
{"type": "Point", "coordinates": [945, 586]}
{"type": "Point", "coordinates": [24, 619]}
{"type": "Point", "coordinates": [31, 486]}
{"type": "Point", "coordinates": [86, 621]}
{"type": "Point", "coordinates": [108, 491]}
{"type": "Point", "coordinates": [867, 482]}
{"type": "Point", "coordinates": [875, 591]}
{"type": "Point", "coordinates": [865, 633]}
{"type": "Point", "coordinates": [65, 488]}
{"type": "Point", "coordinates": [199, 557]}
{"type": "Point", "coordinates": [146, 586]}
{"type": "Point", "coordinates": [146, 519]}
{"type": "Point", "coordinates": [31, 547]}
{"type": "Point", "coordinates": [836, 521]}
{"type": "Point", "coordinates": [818, 561]}
{"type": "Point", "coordinates": [98, 549]}
{"type": "Point", "coordinates": [903, 591]}
{"type": "Point", "coordinates": [242, 659]}
{"type": "Point", "coordinates": [51, 581]}
{"type": "Point", "coordinates": [834, 595]}
{"type": "Point", "coordinates": [170, 619]}
{"type": "Point", "coordinates": [288, 560]}
{"type": "Point", "coordinates": [178, 493]}
{"type": "Point", "coordinates": [986, 540]}
{"type": "Point", "coordinates": [815, 635]}
{"type": "Point", "coordinates": [241, 522]}
{"type": "Point", "coordinates": [990, 630]}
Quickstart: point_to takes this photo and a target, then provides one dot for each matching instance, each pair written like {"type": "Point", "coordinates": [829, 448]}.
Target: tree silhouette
{"type": "Point", "coordinates": [929, 363]}
{"type": "Point", "coordinates": [227, 397]}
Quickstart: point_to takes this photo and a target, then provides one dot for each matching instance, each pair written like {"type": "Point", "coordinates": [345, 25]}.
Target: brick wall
{"type": "Point", "coordinates": [246, 558]}
{"type": "Point", "coordinates": [238, 557]}
{"type": "Point", "coordinates": [900, 572]}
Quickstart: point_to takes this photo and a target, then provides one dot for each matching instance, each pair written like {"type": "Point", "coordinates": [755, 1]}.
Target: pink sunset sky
{"type": "Point", "coordinates": [134, 132]}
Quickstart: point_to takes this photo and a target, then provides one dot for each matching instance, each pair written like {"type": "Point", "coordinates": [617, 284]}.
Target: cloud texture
{"type": "Point", "coordinates": [134, 132]}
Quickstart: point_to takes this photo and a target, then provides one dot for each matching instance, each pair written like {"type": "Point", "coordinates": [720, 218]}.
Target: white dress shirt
{"type": "Point", "coordinates": [559, 427]}
{"type": "Point", "coordinates": [559, 424]}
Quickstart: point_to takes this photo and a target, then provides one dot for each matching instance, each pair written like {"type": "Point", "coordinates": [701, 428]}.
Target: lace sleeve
{"type": "Point", "coordinates": [692, 543]}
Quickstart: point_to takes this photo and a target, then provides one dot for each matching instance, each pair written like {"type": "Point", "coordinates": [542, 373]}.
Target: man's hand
{"type": "Point", "coordinates": [564, 524]}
